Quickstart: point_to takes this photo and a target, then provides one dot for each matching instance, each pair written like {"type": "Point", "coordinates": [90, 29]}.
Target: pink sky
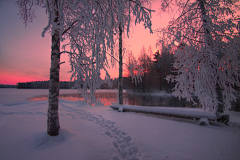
{"type": "Point", "coordinates": [25, 55]}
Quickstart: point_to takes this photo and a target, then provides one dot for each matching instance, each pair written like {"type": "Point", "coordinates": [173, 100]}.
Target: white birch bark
{"type": "Point", "coordinates": [53, 119]}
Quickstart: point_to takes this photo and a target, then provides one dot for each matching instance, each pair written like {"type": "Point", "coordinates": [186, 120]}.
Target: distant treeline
{"type": "Point", "coordinates": [7, 86]}
{"type": "Point", "coordinates": [69, 85]}
{"type": "Point", "coordinates": [156, 66]}
{"type": "Point", "coordinates": [44, 85]}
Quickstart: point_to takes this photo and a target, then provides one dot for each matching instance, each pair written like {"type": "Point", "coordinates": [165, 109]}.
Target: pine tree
{"type": "Point", "coordinates": [53, 119]}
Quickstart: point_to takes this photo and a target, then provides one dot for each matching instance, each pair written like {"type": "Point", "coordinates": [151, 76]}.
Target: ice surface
{"type": "Point", "coordinates": [13, 95]}
{"type": "Point", "coordinates": [98, 132]}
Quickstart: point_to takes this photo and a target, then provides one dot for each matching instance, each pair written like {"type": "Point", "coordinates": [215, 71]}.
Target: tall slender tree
{"type": "Point", "coordinates": [53, 119]}
{"type": "Point", "coordinates": [120, 83]}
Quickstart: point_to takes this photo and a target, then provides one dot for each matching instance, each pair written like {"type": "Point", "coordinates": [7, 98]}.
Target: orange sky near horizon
{"type": "Point", "coordinates": [25, 55]}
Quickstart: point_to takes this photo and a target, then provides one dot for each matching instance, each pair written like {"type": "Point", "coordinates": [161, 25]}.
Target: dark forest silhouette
{"type": "Point", "coordinates": [156, 67]}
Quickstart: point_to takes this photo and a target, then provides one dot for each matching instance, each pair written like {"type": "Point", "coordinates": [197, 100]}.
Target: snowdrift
{"type": "Point", "coordinates": [188, 113]}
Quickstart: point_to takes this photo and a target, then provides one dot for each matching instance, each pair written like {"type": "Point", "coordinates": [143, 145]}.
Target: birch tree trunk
{"type": "Point", "coordinates": [120, 83]}
{"type": "Point", "coordinates": [53, 119]}
{"type": "Point", "coordinates": [209, 47]}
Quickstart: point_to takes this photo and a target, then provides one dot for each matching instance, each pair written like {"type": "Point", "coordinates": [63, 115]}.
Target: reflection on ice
{"type": "Point", "coordinates": [107, 98]}
{"type": "Point", "coordinates": [129, 99]}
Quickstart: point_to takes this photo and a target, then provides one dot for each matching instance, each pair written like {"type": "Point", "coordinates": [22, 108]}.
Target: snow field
{"type": "Point", "coordinates": [99, 132]}
{"type": "Point", "coordinates": [101, 138]}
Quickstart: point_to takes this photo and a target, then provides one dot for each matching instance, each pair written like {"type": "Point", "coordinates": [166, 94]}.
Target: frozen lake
{"type": "Point", "coordinates": [107, 97]}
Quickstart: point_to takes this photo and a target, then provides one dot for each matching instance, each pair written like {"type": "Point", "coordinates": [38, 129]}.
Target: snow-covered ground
{"type": "Point", "coordinates": [170, 111]}
{"type": "Point", "coordinates": [99, 132]}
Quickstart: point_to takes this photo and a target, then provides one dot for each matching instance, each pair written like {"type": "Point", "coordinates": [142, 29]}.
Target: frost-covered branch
{"type": "Point", "coordinates": [207, 41]}
{"type": "Point", "coordinates": [90, 26]}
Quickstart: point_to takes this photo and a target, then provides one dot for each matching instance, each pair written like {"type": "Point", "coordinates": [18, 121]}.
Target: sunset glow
{"type": "Point", "coordinates": [25, 55]}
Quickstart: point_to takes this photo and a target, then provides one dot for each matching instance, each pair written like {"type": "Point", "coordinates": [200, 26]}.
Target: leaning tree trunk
{"type": "Point", "coordinates": [120, 83]}
{"type": "Point", "coordinates": [209, 45]}
{"type": "Point", "coordinates": [53, 119]}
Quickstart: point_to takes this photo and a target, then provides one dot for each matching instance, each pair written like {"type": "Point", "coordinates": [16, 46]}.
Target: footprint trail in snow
{"type": "Point", "coordinates": [122, 142]}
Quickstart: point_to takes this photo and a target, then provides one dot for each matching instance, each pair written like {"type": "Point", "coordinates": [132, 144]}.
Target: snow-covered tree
{"type": "Point", "coordinates": [115, 18]}
{"type": "Point", "coordinates": [206, 37]}
{"type": "Point", "coordinates": [134, 69]}
{"type": "Point", "coordinates": [126, 12]}
{"type": "Point", "coordinates": [90, 27]}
